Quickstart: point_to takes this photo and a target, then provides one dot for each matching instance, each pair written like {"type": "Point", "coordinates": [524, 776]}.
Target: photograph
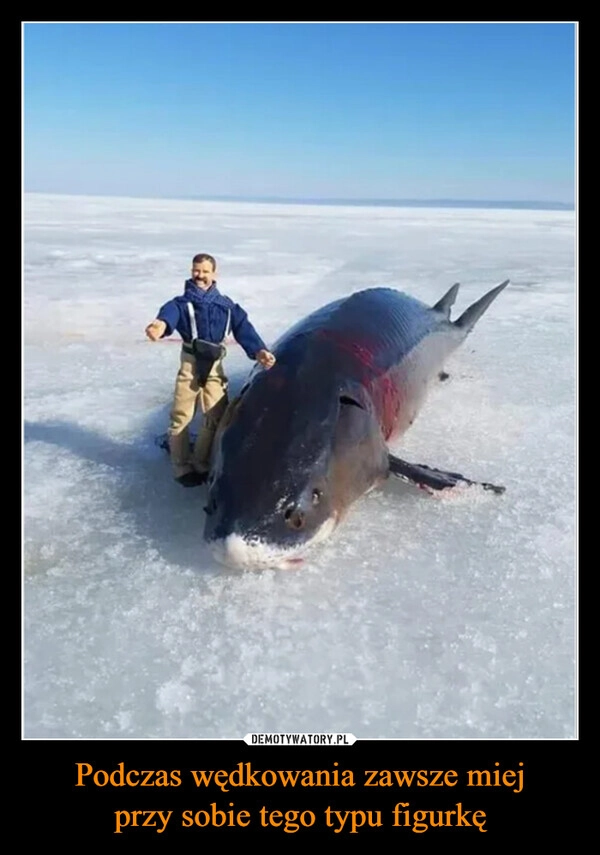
{"type": "Point", "coordinates": [299, 390]}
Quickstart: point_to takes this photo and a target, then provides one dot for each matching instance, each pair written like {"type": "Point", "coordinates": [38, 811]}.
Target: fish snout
{"type": "Point", "coordinates": [297, 513]}
{"type": "Point", "coordinates": [240, 553]}
{"type": "Point", "coordinates": [295, 517]}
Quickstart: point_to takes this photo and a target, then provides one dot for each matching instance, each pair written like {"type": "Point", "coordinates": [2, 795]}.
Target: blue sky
{"type": "Point", "coordinates": [405, 111]}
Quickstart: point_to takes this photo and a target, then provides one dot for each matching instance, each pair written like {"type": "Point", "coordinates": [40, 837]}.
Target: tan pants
{"type": "Point", "coordinates": [212, 400]}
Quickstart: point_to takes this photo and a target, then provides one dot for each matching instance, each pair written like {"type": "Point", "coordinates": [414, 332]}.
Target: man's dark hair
{"type": "Point", "coordinates": [204, 256]}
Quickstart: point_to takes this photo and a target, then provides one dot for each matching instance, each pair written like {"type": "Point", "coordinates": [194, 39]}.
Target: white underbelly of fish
{"type": "Point", "coordinates": [418, 370]}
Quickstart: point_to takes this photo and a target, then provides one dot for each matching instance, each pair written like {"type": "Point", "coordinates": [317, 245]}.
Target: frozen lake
{"type": "Point", "coordinates": [422, 617]}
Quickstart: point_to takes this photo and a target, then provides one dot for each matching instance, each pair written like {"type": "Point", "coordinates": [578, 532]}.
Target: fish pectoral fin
{"type": "Point", "coordinates": [431, 480]}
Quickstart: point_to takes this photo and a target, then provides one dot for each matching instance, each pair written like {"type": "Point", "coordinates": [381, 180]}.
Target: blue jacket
{"type": "Point", "coordinates": [211, 311]}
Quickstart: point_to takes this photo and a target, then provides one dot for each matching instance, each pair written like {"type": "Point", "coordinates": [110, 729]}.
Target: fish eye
{"type": "Point", "coordinates": [316, 496]}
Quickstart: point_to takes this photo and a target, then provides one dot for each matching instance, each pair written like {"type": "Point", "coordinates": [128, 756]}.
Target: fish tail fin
{"type": "Point", "coordinates": [470, 316]}
{"type": "Point", "coordinates": [445, 304]}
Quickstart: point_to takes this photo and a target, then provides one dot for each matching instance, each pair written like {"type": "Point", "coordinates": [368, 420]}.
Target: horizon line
{"type": "Point", "coordinates": [365, 201]}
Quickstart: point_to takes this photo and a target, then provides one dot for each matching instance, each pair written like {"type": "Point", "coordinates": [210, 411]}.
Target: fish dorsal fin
{"type": "Point", "coordinates": [445, 304]}
{"type": "Point", "coordinates": [470, 316]}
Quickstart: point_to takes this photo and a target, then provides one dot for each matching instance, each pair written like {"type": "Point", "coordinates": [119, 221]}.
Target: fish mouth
{"type": "Point", "coordinates": [253, 553]}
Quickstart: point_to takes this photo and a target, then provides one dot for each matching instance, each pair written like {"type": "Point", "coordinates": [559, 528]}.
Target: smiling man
{"type": "Point", "coordinates": [203, 317]}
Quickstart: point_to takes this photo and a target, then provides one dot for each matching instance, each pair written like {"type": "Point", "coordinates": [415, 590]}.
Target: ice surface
{"type": "Point", "coordinates": [420, 617]}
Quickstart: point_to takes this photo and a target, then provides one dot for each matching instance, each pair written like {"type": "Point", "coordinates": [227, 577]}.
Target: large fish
{"type": "Point", "coordinates": [308, 437]}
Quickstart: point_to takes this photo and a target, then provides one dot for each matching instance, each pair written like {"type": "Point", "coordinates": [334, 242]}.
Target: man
{"type": "Point", "coordinates": [203, 317]}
